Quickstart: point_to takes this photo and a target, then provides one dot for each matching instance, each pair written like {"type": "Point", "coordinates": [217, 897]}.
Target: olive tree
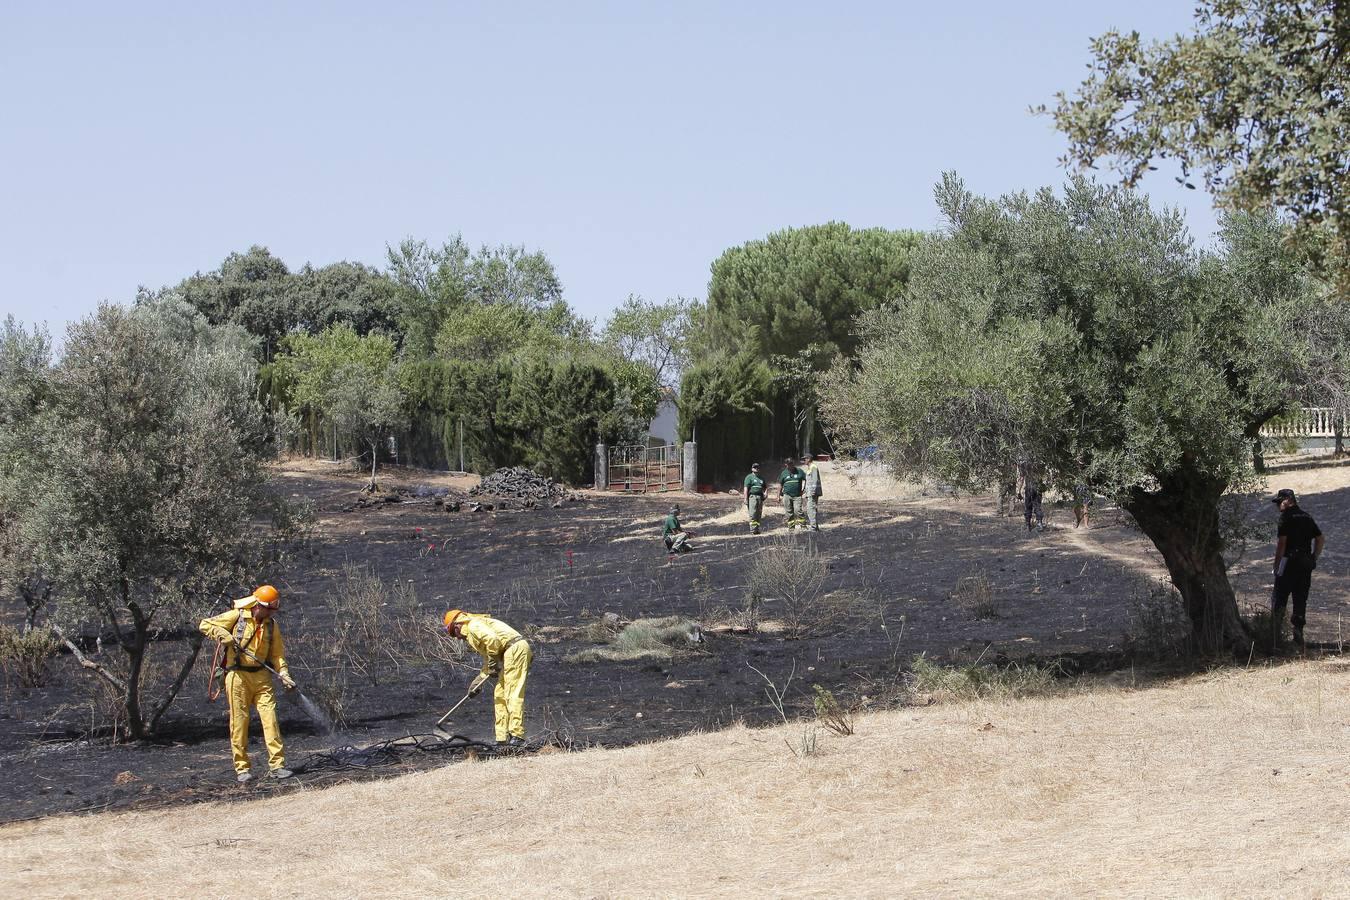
{"type": "Point", "coordinates": [148, 501]}
{"type": "Point", "coordinates": [1252, 102]}
{"type": "Point", "coordinates": [1082, 333]}
{"type": "Point", "coordinates": [25, 383]}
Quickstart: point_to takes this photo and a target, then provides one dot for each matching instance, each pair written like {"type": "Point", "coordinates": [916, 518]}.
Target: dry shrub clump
{"type": "Point", "coordinates": [24, 654]}
{"type": "Point", "coordinates": [977, 682]}
{"type": "Point", "coordinates": [377, 629]}
{"type": "Point", "coordinates": [788, 579]}
{"type": "Point", "coordinates": [643, 639]}
{"type": "Point", "coordinates": [1158, 625]}
{"type": "Point", "coordinates": [975, 595]}
{"type": "Point", "coordinates": [602, 630]}
{"type": "Point", "coordinates": [1266, 632]}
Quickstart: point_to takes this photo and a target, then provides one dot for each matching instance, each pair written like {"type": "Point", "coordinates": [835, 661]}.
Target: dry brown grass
{"type": "Point", "coordinates": [1231, 784]}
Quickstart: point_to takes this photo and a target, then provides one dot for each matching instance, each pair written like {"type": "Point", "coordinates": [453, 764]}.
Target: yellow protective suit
{"type": "Point", "coordinates": [246, 682]}
{"type": "Point", "coordinates": [508, 656]}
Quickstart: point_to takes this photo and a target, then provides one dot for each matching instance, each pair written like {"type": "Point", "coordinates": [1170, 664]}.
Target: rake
{"type": "Point", "coordinates": [441, 732]}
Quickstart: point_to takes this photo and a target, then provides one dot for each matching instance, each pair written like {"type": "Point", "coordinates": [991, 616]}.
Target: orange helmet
{"type": "Point", "coordinates": [266, 595]}
{"type": "Point", "coordinates": [451, 616]}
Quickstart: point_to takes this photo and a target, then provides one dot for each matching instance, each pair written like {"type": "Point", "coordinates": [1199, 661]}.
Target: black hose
{"type": "Point", "coordinates": [382, 753]}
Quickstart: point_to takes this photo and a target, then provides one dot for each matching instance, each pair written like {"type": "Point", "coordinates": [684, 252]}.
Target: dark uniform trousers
{"type": "Point", "coordinates": [1296, 580]}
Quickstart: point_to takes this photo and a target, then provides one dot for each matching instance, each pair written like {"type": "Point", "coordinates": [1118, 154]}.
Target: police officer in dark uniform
{"type": "Point", "coordinates": [1299, 545]}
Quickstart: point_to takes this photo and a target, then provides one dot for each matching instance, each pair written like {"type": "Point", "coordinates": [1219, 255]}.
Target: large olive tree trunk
{"type": "Point", "coordinates": [1182, 520]}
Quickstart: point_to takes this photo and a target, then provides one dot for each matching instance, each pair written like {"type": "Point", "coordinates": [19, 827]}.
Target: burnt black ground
{"type": "Point", "coordinates": [1059, 593]}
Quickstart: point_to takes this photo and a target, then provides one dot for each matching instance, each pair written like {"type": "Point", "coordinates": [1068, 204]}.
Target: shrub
{"type": "Point", "coordinates": [832, 714]}
{"type": "Point", "coordinates": [24, 654]}
{"type": "Point", "coordinates": [644, 639]}
{"type": "Point", "coordinates": [793, 577]}
{"type": "Point", "coordinates": [377, 628]}
{"type": "Point", "coordinates": [1265, 630]}
{"type": "Point", "coordinates": [975, 595]}
{"type": "Point", "coordinates": [1158, 625]}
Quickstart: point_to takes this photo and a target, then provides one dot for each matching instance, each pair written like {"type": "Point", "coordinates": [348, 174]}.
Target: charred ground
{"type": "Point", "coordinates": [1058, 595]}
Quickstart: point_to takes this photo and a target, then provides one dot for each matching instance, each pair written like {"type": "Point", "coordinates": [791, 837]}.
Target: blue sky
{"type": "Point", "coordinates": [632, 142]}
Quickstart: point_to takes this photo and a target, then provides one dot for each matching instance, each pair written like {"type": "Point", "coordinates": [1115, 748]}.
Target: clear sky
{"type": "Point", "coordinates": [632, 142]}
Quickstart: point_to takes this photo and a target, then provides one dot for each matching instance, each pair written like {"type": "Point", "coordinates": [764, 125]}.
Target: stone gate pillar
{"type": "Point", "coordinates": [691, 466]}
{"type": "Point", "coordinates": [601, 467]}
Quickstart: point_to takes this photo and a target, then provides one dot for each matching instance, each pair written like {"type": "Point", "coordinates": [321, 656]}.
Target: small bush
{"type": "Point", "coordinates": [792, 577]}
{"type": "Point", "coordinates": [832, 714]}
{"type": "Point", "coordinates": [107, 711]}
{"type": "Point", "coordinates": [601, 630]}
{"type": "Point", "coordinates": [975, 596]}
{"type": "Point", "coordinates": [24, 654]}
{"type": "Point", "coordinates": [976, 682]}
{"type": "Point", "coordinates": [644, 639]}
{"type": "Point", "coordinates": [1158, 625]}
{"type": "Point", "coordinates": [706, 596]}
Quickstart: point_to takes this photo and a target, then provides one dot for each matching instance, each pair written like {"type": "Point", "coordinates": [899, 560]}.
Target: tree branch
{"type": "Point", "coordinates": [97, 668]}
{"type": "Point", "coordinates": [195, 642]}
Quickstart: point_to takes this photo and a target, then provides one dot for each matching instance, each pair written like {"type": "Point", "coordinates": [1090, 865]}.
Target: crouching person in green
{"type": "Point", "coordinates": [754, 497]}
{"type": "Point", "coordinates": [676, 538]}
{"type": "Point", "coordinates": [790, 483]}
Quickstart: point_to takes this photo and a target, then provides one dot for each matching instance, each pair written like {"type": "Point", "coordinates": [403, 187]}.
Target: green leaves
{"type": "Point", "coordinates": [350, 379]}
{"type": "Point", "coordinates": [656, 335]}
{"type": "Point", "coordinates": [803, 286]}
{"type": "Point", "coordinates": [538, 411]}
{"type": "Point", "coordinates": [1079, 332]}
{"type": "Point", "coordinates": [1252, 104]}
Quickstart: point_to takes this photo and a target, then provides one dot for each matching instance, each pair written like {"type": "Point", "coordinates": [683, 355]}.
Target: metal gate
{"type": "Point", "coordinates": [646, 470]}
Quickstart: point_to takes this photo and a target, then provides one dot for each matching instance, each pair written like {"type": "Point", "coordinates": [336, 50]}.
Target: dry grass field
{"type": "Point", "coordinates": [1230, 784]}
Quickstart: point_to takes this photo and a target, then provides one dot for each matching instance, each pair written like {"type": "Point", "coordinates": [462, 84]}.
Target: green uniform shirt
{"type": "Point", "coordinates": [754, 485]}
{"type": "Point", "coordinates": [791, 480]}
{"type": "Point", "coordinates": [670, 525]}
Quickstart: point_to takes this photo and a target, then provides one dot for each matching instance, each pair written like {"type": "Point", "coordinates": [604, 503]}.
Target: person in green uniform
{"type": "Point", "coordinates": [790, 482]}
{"type": "Point", "coordinates": [754, 497]}
{"type": "Point", "coordinates": [676, 538]}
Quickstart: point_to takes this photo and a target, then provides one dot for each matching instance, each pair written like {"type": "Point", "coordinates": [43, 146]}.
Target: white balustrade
{"type": "Point", "coordinates": [1309, 422]}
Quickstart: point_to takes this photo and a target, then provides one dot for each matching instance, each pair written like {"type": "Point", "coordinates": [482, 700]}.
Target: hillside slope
{"type": "Point", "coordinates": [1228, 784]}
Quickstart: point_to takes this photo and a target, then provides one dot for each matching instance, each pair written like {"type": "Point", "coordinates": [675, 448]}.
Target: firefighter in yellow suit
{"type": "Point", "coordinates": [507, 656]}
{"type": "Point", "coordinates": [251, 638]}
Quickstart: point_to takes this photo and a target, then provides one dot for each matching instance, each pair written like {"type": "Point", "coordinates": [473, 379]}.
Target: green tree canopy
{"type": "Point", "coordinates": [344, 292]}
{"type": "Point", "coordinates": [802, 288]}
{"type": "Point", "coordinates": [350, 379]}
{"type": "Point", "coordinates": [251, 289]}
{"type": "Point", "coordinates": [434, 282]}
{"type": "Point", "coordinates": [256, 291]}
{"type": "Point", "coordinates": [1084, 335]}
{"type": "Point", "coordinates": [1254, 103]}
{"type": "Point", "coordinates": [25, 392]}
{"type": "Point", "coordinates": [656, 335]}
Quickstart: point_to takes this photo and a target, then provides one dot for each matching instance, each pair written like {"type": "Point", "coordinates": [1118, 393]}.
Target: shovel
{"type": "Point", "coordinates": [441, 732]}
